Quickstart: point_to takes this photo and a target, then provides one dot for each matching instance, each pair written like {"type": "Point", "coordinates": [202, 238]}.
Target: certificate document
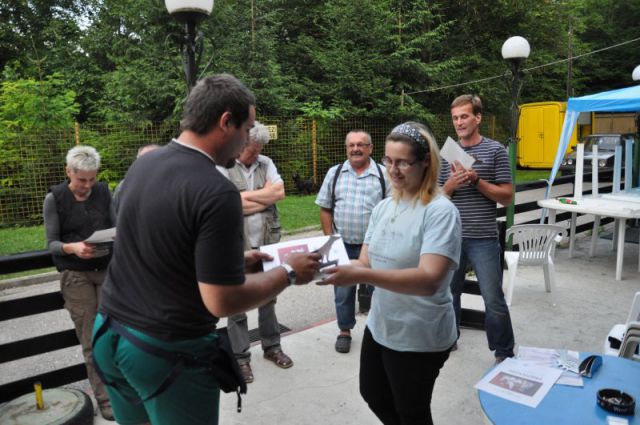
{"type": "Point", "coordinates": [452, 152]}
{"type": "Point", "coordinates": [330, 247]}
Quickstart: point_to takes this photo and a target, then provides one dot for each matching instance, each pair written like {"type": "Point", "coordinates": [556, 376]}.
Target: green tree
{"type": "Point", "coordinates": [30, 111]}
{"type": "Point", "coordinates": [130, 46]}
{"type": "Point", "coordinates": [240, 40]}
{"type": "Point", "coordinates": [29, 104]}
{"type": "Point", "coordinates": [606, 23]}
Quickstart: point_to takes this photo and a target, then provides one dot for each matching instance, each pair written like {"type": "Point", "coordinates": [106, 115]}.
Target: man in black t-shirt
{"type": "Point", "coordinates": [179, 264]}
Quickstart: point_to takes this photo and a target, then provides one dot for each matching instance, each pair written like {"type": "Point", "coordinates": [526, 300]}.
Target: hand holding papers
{"type": "Point", "coordinates": [332, 252]}
{"type": "Point", "coordinates": [452, 152]}
{"type": "Point", "coordinates": [102, 240]}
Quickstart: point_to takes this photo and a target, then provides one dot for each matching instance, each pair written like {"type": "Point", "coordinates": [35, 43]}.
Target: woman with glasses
{"type": "Point", "coordinates": [410, 251]}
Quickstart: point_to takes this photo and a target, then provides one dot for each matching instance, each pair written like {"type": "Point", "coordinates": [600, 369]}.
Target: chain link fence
{"type": "Point", "coordinates": [32, 162]}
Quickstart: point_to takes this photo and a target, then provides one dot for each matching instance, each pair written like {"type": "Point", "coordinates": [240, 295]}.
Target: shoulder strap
{"type": "Point", "coordinates": [383, 184]}
{"type": "Point", "coordinates": [333, 188]}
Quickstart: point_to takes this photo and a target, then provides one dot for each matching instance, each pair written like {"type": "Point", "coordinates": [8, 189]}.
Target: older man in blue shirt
{"type": "Point", "coordinates": [348, 194]}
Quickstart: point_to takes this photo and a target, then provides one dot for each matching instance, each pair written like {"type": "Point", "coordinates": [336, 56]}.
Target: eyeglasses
{"type": "Point", "coordinates": [358, 145]}
{"type": "Point", "coordinates": [401, 164]}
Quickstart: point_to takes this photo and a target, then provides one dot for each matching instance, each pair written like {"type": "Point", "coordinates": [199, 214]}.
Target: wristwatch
{"type": "Point", "coordinates": [291, 274]}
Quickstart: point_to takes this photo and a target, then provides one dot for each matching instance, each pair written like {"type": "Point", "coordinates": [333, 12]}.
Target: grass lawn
{"type": "Point", "coordinates": [531, 175]}
{"type": "Point", "coordinates": [22, 239]}
{"type": "Point", "coordinates": [296, 212]}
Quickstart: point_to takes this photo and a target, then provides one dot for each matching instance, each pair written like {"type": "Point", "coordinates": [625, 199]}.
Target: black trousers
{"type": "Point", "coordinates": [398, 385]}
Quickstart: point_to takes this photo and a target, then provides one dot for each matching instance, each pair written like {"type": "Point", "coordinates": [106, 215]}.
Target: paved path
{"type": "Point", "coordinates": [322, 387]}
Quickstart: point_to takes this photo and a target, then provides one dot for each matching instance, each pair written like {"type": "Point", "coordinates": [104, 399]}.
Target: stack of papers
{"type": "Point", "coordinates": [102, 237]}
{"type": "Point", "coordinates": [566, 360]}
{"type": "Point", "coordinates": [330, 247]}
{"type": "Point", "coordinates": [520, 382]}
{"type": "Point", "coordinates": [529, 377]}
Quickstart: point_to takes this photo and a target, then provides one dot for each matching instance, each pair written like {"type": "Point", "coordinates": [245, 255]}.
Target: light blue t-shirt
{"type": "Point", "coordinates": [398, 234]}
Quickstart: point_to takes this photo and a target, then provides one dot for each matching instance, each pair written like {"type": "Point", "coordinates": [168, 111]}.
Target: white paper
{"type": "Point", "coordinates": [519, 382]}
{"type": "Point", "coordinates": [330, 247]}
{"type": "Point", "coordinates": [99, 237]}
{"type": "Point", "coordinates": [325, 249]}
{"type": "Point", "coordinates": [550, 357]}
{"type": "Point", "coordinates": [452, 152]}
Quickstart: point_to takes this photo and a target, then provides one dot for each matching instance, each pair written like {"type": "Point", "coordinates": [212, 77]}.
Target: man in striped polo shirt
{"type": "Point", "coordinates": [475, 191]}
{"type": "Point", "coordinates": [346, 202]}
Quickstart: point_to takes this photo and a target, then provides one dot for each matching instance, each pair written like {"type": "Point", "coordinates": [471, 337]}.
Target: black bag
{"type": "Point", "coordinates": [224, 366]}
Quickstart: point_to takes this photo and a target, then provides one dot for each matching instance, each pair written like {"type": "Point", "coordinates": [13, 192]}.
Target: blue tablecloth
{"type": "Point", "coordinates": [570, 405]}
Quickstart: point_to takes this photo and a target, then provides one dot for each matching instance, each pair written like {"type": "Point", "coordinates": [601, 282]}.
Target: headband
{"type": "Point", "coordinates": [411, 132]}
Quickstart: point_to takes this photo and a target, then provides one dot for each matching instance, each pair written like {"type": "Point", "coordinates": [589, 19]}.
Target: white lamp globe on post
{"type": "Point", "coordinates": [636, 73]}
{"type": "Point", "coordinates": [515, 50]}
{"type": "Point", "coordinates": [190, 12]}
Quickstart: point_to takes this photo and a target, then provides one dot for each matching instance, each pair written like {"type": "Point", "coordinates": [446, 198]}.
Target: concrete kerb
{"type": "Point", "coordinates": [29, 280]}
{"type": "Point", "coordinates": [309, 229]}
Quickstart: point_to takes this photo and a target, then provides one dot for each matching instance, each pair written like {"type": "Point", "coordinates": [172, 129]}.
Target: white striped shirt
{"type": "Point", "coordinates": [477, 212]}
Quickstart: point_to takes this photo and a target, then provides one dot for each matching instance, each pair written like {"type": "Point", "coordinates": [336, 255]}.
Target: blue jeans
{"type": "Point", "coordinates": [484, 256]}
{"type": "Point", "coordinates": [345, 297]}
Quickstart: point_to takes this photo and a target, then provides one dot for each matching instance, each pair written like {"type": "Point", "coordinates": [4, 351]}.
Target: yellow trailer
{"type": "Point", "coordinates": [539, 129]}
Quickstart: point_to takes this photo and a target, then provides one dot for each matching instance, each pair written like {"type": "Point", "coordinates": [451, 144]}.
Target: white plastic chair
{"type": "Point", "coordinates": [631, 341]}
{"type": "Point", "coordinates": [536, 244]}
{"type": "Point", "coordinates": [618, 331]}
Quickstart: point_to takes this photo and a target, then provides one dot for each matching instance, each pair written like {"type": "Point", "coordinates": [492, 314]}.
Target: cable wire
{"type": "Point", "coordinates": [526, 69]}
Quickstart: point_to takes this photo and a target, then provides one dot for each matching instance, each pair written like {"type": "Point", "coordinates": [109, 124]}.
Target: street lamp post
{"type": "Point", "coordinates": [515, 50]}
{"type": "Point", "coordinates": [636, 157]}
{"type": "Point", "coordinates": [190, 12]}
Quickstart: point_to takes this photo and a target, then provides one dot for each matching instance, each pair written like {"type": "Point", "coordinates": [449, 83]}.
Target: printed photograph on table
{"type": "Point", "coordinates": [516, 383]}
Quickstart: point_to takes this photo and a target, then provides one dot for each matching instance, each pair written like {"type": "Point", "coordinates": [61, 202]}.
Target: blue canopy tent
{"type": "Point", "coordinates": [621, 100]}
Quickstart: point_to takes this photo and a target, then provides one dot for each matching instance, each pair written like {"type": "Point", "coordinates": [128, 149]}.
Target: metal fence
{"type": "Point", "coordinates": [32, 162]}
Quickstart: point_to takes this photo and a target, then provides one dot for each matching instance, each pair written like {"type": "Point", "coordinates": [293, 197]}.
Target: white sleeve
{"type": "Point", "coordinates": [272, 171]}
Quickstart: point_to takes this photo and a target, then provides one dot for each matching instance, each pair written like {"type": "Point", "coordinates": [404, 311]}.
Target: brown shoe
{"type": "Point", "coordinates": [277, 356]}
{"type": "Point", "coordinates": [247, 374]}
{"type": "Point", "coordinates": [105, 410]}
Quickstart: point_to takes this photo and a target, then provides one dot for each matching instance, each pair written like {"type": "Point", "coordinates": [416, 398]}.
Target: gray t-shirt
{"type": "Point", "coordinates": [398, 234]}
{"type": "Point", "coordinates": [477, 212]}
